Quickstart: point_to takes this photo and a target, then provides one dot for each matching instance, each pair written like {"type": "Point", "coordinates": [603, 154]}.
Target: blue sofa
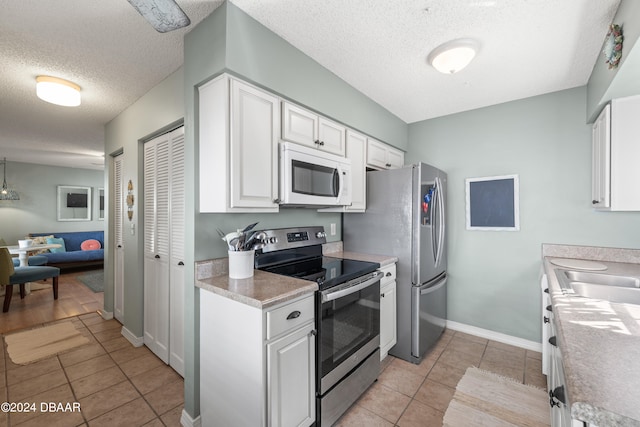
{"type": "Point", "coordinates": [74, 256]}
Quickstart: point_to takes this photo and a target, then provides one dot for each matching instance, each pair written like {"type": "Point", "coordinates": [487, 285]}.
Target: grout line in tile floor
{"type": "Point", "coordinates": [114, 382]}
{"type": "Point", "coordinates": [411, 395]}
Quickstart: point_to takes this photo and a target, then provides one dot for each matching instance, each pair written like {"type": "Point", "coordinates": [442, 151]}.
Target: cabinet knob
{"type": "Point", "coordinates": [552, 341]}
{"type": "Point", "coordinates": [556, 396]}
{"type": "Point", "coordinates": [549, 308]}
{"type": "Point", "coordinates": [388, 165]}
{"type": "Point", "coordinates": [313, 333]}
{"type": "Point", "coordinates": [157, 257]}
{"type": "Point", "coordinates": [321, 142]}
{"type": "Point", "coordinates": [276, 201]}
{"type": "Point", "coordinates": [381, 295]}
{"type": "Point", "coordinates": [594, 202]}
{"type": "Point", "coordinates": [546, 290]}
{"type": "Point", "coordinates": [388, 274]}
{"type": "Point", "coordinates": [181, 263]}
{"type": "Point", "coordinates": [317, 142]}
{"type": "Point", "coordinates": [545, 319]}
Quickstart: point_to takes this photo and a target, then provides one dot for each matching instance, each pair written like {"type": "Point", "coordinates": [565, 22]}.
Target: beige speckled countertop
{"type": "Point", "coordinates": [265, 289]}
{"type": "Point", "coordinates": [599, 341]}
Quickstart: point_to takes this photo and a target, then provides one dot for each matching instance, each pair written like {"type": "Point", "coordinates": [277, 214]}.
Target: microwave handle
{"type": "Point", "coordinates": [337, 190]}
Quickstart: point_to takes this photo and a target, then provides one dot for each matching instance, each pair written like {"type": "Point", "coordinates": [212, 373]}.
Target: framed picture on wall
{"type": "Point", "coordinates": [493, 203]}
{"type": "Point", "coordinates": [74, 203]}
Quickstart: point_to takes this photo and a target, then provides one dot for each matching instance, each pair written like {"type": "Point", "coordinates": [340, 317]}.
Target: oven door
{"type": "Point", "coordinates": [348, 329]}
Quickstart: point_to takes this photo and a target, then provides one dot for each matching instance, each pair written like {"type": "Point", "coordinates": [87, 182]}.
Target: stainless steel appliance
{"type": "Point", "coordinates": [405, 217]}
{"type": "Point", "coordinates": [347, 314]}
{"type": "Point", "coordinates": [311, 177]}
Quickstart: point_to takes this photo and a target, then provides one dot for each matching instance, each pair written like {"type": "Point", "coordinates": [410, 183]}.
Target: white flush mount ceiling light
{"type": "Point", "coordinates": [163, 15]}
{"type": "Point", "coordinates": [453, 56]}
{"type": "Point", "coordinates": [58, 91]}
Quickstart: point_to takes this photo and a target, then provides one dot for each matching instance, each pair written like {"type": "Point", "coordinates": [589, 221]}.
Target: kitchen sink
{"type": "Point", "coordinates": [609, 287]}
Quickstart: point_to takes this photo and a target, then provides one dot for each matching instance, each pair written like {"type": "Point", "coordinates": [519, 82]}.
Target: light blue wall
{"type": "Point", "coordinates": [606, 84]}
{"type": "Point", "coordinates": [544, 139]}
{"type": "Point", "coordinates": [156, 110]}
{"type": "Point", "coordinates": [36, 211]}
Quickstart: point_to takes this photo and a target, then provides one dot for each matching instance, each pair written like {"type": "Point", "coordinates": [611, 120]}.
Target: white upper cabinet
{"type": "Point", "coordinates": [356, 152]}
{"type": "Point", "coordinates": [616, 150]}
{"type": "Point", "coordinates": [239, 126]}
{"type": "Point", "coordinates": [383, 156]}
{"type": "Point", "coordinates": [307, 128]}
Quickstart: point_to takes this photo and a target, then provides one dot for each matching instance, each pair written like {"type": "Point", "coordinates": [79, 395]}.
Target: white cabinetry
{"type": "Point", "coordinates": [356, 152]}
{"type": "Point", "coordinates": [616, 150]}
{"type": "Point", "coordinates": [383, 156]}
{"type": "Point", "coordinates": [307, 128]}
{"type": "Point", "coordinates": [164, 216]}
{"type": "Point", "coordinates": [388, 321]}
{"type": "Point", "coordinates": [257, 366]}
{"type": "Point", "coordinates": [239, 126]}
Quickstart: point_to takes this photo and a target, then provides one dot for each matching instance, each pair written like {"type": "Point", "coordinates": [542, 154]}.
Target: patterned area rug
{"type": "Point", "coordinates": [93, 280]}
{"type": "Point", "coordinates": [39, 343]}
{"type": "Point", "coordinates": [486, 399]}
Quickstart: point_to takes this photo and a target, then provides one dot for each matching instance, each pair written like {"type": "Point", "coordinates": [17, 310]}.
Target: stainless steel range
{"type": "Point", "coordinates": [347, 314]}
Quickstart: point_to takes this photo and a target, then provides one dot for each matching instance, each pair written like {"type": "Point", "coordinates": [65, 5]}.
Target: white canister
{"type": "Point", "coordinates": [241, 264]}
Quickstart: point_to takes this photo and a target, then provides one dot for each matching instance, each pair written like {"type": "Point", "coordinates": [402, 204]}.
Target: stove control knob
{"type": "Point", "coordinates": [320, 234]}
{"type": "Point", "coordinates": [273, 240]}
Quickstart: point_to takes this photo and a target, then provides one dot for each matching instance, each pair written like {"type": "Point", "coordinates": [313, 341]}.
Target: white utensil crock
{"type": "Point", "coordinates": [241, 264]}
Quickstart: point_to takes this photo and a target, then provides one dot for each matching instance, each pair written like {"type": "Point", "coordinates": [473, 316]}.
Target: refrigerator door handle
{"type": "Point", "coordinates": [433, 229]}
{"type": "Point", "coordinates": [429, 289]}
{"type": "Point", "coordinates": [439, 198]}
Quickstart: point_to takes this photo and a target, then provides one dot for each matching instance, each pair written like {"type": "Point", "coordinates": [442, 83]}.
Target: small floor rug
{"type": "Point", "coordinates": [35, 344]}
{"type": "Point", "coordinates": [93, 280]}
{"type": "Point", "coordinates": [485, 399]}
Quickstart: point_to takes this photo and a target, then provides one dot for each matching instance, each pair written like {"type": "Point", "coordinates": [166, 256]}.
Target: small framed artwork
{"type": "Point", "coordinates": [74, 203]}
{"type": "Point", "coordinates": [493, 203]}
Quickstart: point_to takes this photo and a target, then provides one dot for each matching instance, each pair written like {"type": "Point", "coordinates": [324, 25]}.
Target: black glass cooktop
{"type": "Point", "coordinates": [326, 271]}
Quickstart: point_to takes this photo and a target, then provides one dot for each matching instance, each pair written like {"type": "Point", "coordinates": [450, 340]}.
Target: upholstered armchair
{"type": "Point", "coordinates": [10, 275]}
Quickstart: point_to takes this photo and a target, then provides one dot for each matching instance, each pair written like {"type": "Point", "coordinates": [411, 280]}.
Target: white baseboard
{"type": "Point", "coordinates": [106, 315]}
{"type": "Point", "coordinates": [187, 421]}
{"type": "Point", "coordinates": [495, 336]}
{"type": "Point", "coordinates": [134, 340]}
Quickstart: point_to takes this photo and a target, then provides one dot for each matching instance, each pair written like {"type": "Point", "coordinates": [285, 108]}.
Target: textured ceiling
{"type": "Point", "coordinates": [529, 47]}
{"type": "Point", "coordinates": [106, 47]}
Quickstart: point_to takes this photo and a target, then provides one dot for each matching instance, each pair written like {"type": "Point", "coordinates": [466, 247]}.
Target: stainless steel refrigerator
{"type": "Point", "coordinates": [405, 217]}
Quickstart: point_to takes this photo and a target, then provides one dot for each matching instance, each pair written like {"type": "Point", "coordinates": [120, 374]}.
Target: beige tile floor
{"type": "Point", "coordinates": [115, 383]}
{"type": "Point", "coordinates": [410, 395]}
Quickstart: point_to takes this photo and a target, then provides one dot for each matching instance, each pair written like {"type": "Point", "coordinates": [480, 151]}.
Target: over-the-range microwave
{"type": "Point", "coordinates": [311, 177]}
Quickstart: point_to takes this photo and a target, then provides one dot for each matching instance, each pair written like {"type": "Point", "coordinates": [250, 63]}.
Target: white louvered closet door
{"type": "Point", "coordinates": [176, 263]}
{"type": "Point", "coordinates": [118, 226]}
{"type": "Point", "coordinates": [164, 216]}
{"type": "Point", "coordinates": [156, 244]}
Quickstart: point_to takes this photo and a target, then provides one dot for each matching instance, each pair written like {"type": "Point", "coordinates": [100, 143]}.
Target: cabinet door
{"type": "Point", "coordinates": [388, 320]}
{"type": "Point", "coordinates": [176, 263]}
{"type": "Point", "coordinates": [299, 125]}
{"type": "Point", "coordinates": [291, 379]}
{"type": "Point", "coordinates": [356, 152]}
{"type": "Point", "coordinates": [395, 158]}
{"type": "Point", "coordinates": [255, 119]}
{"type": "Point", "coordinates": [601, 160]}
{"type": "Point", "coordinates": [376, 154]}
{"type": "Point", "coordinates": [332, 136]}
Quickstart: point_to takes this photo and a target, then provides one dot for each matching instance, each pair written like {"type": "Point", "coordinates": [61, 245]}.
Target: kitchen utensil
{"type": "Point", "coordinates": [220, 232]}
{"type": "Point", "coordinates": [249, 227]}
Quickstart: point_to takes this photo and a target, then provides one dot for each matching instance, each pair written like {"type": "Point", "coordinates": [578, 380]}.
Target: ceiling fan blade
{"type": "Point", "coordinates": [163, 15]}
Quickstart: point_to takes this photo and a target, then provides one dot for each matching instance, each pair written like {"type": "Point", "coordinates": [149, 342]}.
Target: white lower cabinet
{"type": "Point", "coordinates": [388, 321]}
{"type": "Point", "coordinates": [257, 367]}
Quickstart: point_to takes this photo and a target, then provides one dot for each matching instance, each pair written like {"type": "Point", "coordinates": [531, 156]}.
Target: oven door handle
{"type": "Point", "coordinates": [348, 289]}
